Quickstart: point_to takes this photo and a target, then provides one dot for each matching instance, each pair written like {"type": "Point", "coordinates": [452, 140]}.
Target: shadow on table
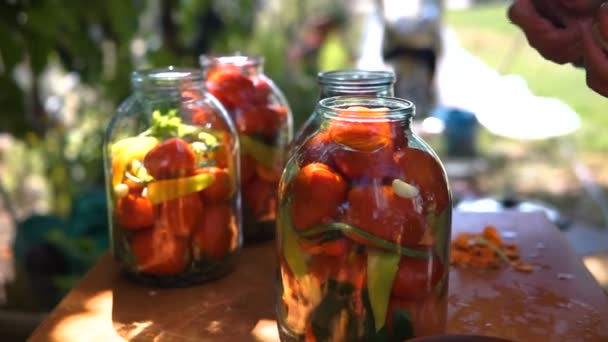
{"type": "Point", "coordinates": [227, 309]}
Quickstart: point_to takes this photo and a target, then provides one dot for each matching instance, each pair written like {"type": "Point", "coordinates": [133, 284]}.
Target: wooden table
{"type": "Point", "coordinates": [558, 301]}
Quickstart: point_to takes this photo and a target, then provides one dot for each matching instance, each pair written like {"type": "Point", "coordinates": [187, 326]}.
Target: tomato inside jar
{"type": "Point", "coordinates": [263, 122]}
{"type": "Point", "coordinates": [171, 176]}
{"type": "Point", "coordinates": [364, 224]}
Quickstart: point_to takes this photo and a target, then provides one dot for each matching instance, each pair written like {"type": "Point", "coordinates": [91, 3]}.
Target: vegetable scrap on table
{"type": "Point", "coordinates": [486, 250]}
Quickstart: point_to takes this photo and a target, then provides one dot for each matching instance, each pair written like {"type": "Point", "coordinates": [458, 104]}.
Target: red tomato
{"type": "Point", "coordinates": [181, 215]}
{"type": "Point", "coordinates": [231, 87]}
{"type": "Point", "coordinates": [261, 198]}
{"type": "Point", "coordinates": [215, 235]}
{"type": "Point", "coordinates": [317, 149]}
{"type": "Point", "coordinates": [379, 211]}
{"type": "Point", "coordinates": [223, 154]}
{"type": "Point", "coordinates": [317, 193]}
{"type": "Point", "coordinates": [416, 278]}
{"type": "Point", "coordinates": [134, 212]}
{"type": "Point", "coordinates": [348, 267]}
{"type": "Point", "coordinates": [357, 164]}
{"type": "Point", "coordinates": [366, 136]}
{"type": "Point", "coordinates": [221, 189]}
{"type": "Point", "coordinates": [172, 158]}
{"type": "Point", "coordinates": [428, 314]}
{"type": "Point", "coordinates": [323, 266]}
{"type": "Point", "coordinates": [248, 169]}
{"type": "Point", "coordinates": [421, 170]}
{"type": "Point", "coordinates": [262, 89]}
{"type": "Point", "coordinates": [337, 247]}
{"type": "Point", "coordinates": [191, 94]}
{"type": "Point", "coordinates": [207, 117]}
{"type": "Point", "coordinates": [258, 119]}
{"type": "Point", "coordinates": [134, 187]}
{"type": "Point", "coordinates": [159, 252]}
{"type": "Point", "coordinates": [268, 174]}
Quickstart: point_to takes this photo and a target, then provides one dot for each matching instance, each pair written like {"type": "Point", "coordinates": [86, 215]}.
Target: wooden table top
{"type": "Point", "coordinates": [558, 301]}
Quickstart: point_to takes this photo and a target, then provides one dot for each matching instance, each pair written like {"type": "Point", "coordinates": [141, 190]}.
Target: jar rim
{"type": "Point", "coordinates": [393, 108]}
{"type": "Point", "coordinates": [169, 73]}
{"type": "Point", "coordinates": [238, 60]}
{"type": "Point", "coordinates": [356, 77]}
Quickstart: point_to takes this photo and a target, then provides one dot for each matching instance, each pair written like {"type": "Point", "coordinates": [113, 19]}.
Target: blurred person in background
{"type": "Point", "coordinates": [411, 46]}
{"type": "Point", "coordinates": [379, 34]}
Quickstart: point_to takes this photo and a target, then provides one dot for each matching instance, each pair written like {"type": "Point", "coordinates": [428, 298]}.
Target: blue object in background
{"type": "Point", "coordinates": [460, 132]}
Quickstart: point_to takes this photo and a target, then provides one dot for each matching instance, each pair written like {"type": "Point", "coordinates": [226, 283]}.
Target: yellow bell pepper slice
{"type": "Point", "coordinates": [124, 151]}
{"type": "Point", "coordinates": [165, 190]}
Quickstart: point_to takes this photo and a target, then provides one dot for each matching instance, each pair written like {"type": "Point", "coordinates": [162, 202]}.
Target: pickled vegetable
{"type": "Point", "coordinates": [263, 121]}
{"type": "Point", "coordinates": [359, 207]}
{"type": "Point", "coordinates": [173, 199]}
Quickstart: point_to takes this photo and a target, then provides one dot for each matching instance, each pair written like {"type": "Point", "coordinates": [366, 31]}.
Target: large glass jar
{"type": "Point", "coordinates": [363, 228]}
{"type": "Point", "coordinates": [264, 124]}
{"type": "Point", "coordinates": [346, 82]}
{"type": "Point", "coordinates": [171, 165]}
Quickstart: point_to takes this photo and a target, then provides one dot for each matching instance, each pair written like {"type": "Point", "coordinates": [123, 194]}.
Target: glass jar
{"type": "Point", "coordinates": [346, 82]}
{"type": "Point", "coordinates": [171, 166]}
{"type": "Point", "coordinates": [264, 124]}
{"type": "Point", "coordinates": [363, 228]}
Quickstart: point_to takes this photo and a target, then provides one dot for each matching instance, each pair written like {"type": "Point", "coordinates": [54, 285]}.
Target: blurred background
{"type": "Point", "coordinates": [515, 132]}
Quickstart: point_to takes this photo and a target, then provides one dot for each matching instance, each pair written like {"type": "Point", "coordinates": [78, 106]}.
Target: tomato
{"type": "Point", "coordinates": [260, 198]}
{"type": "Point", "coordinates": [366, 136]}
{"type": "Point", "coordinates": [344, 267]}
{"type": "Point", "coordinates": [222, 187]}
{"type": "Point", "coordinates": [317, 192]}
{"type": "Point", "coordinates": [134, 212]}
{"type": "Point", "coordinates": [216, 233]}
{"type": "Point", "coordinates": [416, 278]}
{"type": "Point", "coordinates": [159, 252]}
{"type": "Point", "coordinates": [181, 215]}
{"type": "Point", "coordinates": [170, 159]}
{"type": "Point", "coordinates": [191, 94]}
{"type": "Point", "coordinates": [205, 116]}
{"type": "Point", "coordinates": [352, 270]}
{"type": "Point", "coordinates": [317, 149]}
{"type": "Point", "coordinates": [258, 119]}
{"type": "Point", "coordinates": [379, 211]}
{"type": "Point", "coordinates": [134, 187]}
{"type": "Point", "coordinates": [421, 170]}
{"type": "Point", "coordinates": [268, 174]}
{"type": "Point", "coordinates": [428, 314]}
{"type": "Point", "coordinates": [337, 247]}
{"type": "Point", "coordinates": [262, 89]}
{"type": "Point", "coordinates": [357, 164]}
{"type": "Point", "coordinates": [231, 87]}
{"type": "Point", "coordinates": [248, 169]}
{"type": "Point", "coordinates": [223, 154]}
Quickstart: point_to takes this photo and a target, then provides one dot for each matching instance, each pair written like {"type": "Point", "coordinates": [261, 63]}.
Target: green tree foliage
{"type": "Point", "coordinates": [93, 46]}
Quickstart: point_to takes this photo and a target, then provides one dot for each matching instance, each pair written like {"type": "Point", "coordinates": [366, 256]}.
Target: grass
{"type": "Point", "coordinates": [487, 33]}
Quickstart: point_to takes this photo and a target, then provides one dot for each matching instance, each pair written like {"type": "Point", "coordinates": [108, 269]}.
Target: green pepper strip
{"type": "Point", "coordinates": [381, 271]}
{"type": "Point", "coordinates": [386, 245]}
{"type": "Point", "coordinates": [166, 190]}
{"type": "Point", "coordinates": [294, 256]}
{"type": "Point", "coordinates": [438, 223]}
{"type": "Point", "coordinates": [261, 152]}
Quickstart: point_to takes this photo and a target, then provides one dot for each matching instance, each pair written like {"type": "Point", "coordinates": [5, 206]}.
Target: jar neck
{"type": "Point", "coordinates": [166, 82]}
{"type": "Point", "coordinates": [356, 82]}
{"type": "Point", "coordinates": [248, 65]}
{"type": "Point", "coordinates": [377, 109]}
